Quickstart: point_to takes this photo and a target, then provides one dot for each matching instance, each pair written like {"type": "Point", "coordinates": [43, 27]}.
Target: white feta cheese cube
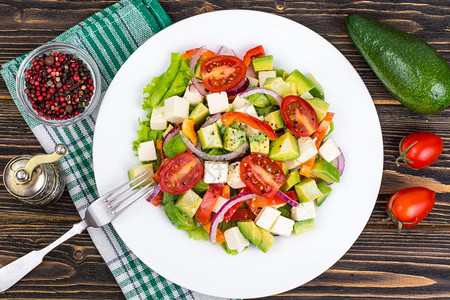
{"type": "Point", "coordinates": [176, 109]}
{"type": "Point", "coordinates": [192, 95]}
{"type": "Point", "coordinates": [329, 150]}
{"type": "Point", "coordinates": [217, 102]}
{"type": "Point", "coordinates": [248, 109]}
{"type": "Point", "coordinates": [157, 120]}
{"type": "Point", "coordinates": [147, 151]}
{"type": "Point", "coordinates": [263, 75]}
{"type": "Point", "coordinates": [234, 176]}
{"type": "Point", "coordinates": [215, 172]}
{"type": "Point", "coordinates": [235, 239]}
{"type": "Point", "coordinates": [292, 164]}
{"type": "Point", "coordinates": [283, 226]}
{"type": "Point", "coordinates": [253, 81]}
{"type": "Point", "coordinates": [239, 102]}
{"type": "Point", "coordinates": [307, 147]}
{"type": "Point", "coordinates": [267, 217]}
{"type": "Point", "coordinates": [219, 203]}
{"type": "Point", "coordinates": [304, 211]}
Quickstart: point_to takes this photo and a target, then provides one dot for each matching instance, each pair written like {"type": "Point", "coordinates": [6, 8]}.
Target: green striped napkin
{"type": "Point", "coordinates": [110, 37]}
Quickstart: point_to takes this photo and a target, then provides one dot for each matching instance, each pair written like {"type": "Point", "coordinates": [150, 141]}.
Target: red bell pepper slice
{"type": "Point", "coordinates": [254, 52]}
{"type": "Point", "coordinates": [255, 123]}
{"type": "Point", "coordinates": [243, 214]}
{"type": "Point", "coordinates": [156, 201]}
{"type": "Point", "coordinates": [189, 53]}
{"type": "Point", "coordinates": [203, 214]}
{"type": "Point", "coordinates": [266, 201]}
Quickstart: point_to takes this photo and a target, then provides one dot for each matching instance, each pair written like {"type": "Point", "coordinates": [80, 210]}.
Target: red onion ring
{"type": "Point", "coordinates": [155, 192]}
{"type": "Point", "coordinates": [171, 134]}
{"type": "Point", "coordinates": [218, 217]}
{"type": "Point", "coordinates": [195, 57]}
{"type": "Point", "coordinates": [242, 86]}
{"type": "Point", "coordinates": [340, 162]}
{"type": "Point", "coordinates": [205, 156]}
{"type": "Point", "coordinates": [257, 90]}
{"type": "Point", "coordinates": [286, 198]}
{"type": "Point", "coordinates": [211, 120]}
{"type": "Point", "coordinates": [199, 86]}
{"type": "Point", "coordinates": [224, 50]}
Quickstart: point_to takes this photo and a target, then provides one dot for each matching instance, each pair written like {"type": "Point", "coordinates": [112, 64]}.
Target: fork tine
{"type": "Point", "coordinates": [135, 196]}
{"type": "Point", "coordinates": [126, 184]}
{"type": "Point", "coordinates": [126, 192]}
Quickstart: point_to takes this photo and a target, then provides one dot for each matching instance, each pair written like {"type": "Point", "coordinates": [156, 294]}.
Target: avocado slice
{"type": "Point", "coordinates": [258, 100]}
{"type": "Point", "coordinates": [188, 203]}
{"type": "Point", "coordinates": [233, 139]}
{"type": "Point", "coordinates": [325, 171]}
{"type": "Point", "coordinates": [267, 241]}
{"type": "Point", "coordinates": [209, 137]}
{"type": "Point", "coordinates": [262, 63]}
{"type": "Point", "coordinates": [320, 107]}
{"type": "Point", "coordinates": [410, 69]}
{"type": "Point", "coordinates": [317, 90]}
{"type": "Point", "coordinates": [302, 83]}
{"type": "Point", "coordinates": [174, 146]}
{"type": "Point", "coordinates": [252, 232]}
{"type": "Point", "coordinates": [259, 144]}
{"type": "Point", "coordinates": [275, 120]}
{"type": "Point", "coordinates": [307, 190]}
{"type": "Point", "coordinates": [199, 114]}
{"type": "Point", "coordinates": [281, 87]}
{"type": "Point", "coordinates": [303, 226]}
{"type": "Point", "coordinates": [284, 148]}
{"type": "Point", "coordinates": [325, 189]}
{"type": "Point", "coordinates": [291, 179]}
{"type": "Point", "coordinates": [138, 170]}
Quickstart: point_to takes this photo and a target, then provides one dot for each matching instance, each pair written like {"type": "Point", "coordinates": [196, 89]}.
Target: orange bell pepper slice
{"type": "Point", "coordinates": [189, 53]}
{"type": "Point", "coordinates": [220, 238]}
{"type": "Point", "coordinates": [188, 130]}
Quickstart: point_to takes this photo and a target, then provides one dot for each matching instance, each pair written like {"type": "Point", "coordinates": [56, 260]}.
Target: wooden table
{"type": "Point", "coordinates": [381, 264]}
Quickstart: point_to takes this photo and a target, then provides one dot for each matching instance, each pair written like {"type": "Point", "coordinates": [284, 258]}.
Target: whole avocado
{"type": "Point", "coordinates": [409, 68]}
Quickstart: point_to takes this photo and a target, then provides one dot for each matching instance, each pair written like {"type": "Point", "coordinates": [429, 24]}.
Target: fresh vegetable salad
{"type": "Point", "coordinates": [239, 150]}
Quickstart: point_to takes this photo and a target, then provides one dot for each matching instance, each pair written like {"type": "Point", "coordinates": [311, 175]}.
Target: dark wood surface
{"type": "Point", "coordinates": [381, 264]}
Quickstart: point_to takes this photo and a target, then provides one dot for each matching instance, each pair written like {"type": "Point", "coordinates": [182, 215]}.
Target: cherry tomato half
{"type": "Point", "coordinates": [420, 149]}
{"type": "Point", "coordinates": [299, 115]}
{"type": "Point", "coordinates": [408, 207]}
{"type": "Point", "coordinates": [222, 72]}
{"type": "Point", "coordinates": [181, 173]}
{"type": "Point", "coordinates": [261, 175]}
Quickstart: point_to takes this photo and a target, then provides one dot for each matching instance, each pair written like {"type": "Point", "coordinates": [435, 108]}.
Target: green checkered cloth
{"type": "Point", "coordinates": [110, 37]}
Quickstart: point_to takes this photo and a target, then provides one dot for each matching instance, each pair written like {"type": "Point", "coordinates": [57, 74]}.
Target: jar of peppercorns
{"type": "Point", "coordinates": [58, 84]}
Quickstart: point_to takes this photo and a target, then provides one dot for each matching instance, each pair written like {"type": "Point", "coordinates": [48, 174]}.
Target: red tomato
{"type": "Point", "coordinates": [261, 175]}
{"type": "Point", "coordinates": [410, 206]}
{"type": "Point", "coordinates": [420, 149]}
{"type": "Point", "coordinates": [255, 123]}
{"type": "Point", "coordinates": [222, 72]}
{"type": "Point", "coordinates": [254, 52]}
{"type": "Point", "coordinates": [203, 214]}
{"type": "Point", "coordinates": [181, 173]}
{"type": "Point", "coordinates": [299, 115]}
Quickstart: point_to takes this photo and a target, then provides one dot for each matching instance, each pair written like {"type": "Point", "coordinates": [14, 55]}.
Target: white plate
{"type": "Point", "coordinates": [292, 261]}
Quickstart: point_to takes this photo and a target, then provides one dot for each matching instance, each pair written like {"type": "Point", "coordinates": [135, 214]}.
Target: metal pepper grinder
{"type": "Point", "coordinates": [35, 180]}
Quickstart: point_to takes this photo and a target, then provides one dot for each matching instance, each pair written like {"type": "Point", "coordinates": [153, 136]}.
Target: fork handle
{"type": "Point", "coordinates": [16, 270]}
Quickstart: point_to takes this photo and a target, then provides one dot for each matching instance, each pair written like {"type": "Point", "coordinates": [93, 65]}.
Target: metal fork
{"type": "Point", "coordinates": [101, 212]}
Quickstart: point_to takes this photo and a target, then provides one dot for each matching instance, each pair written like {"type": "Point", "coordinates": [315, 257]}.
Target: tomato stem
{"type": "Point", "coordinates": [402, 156]}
